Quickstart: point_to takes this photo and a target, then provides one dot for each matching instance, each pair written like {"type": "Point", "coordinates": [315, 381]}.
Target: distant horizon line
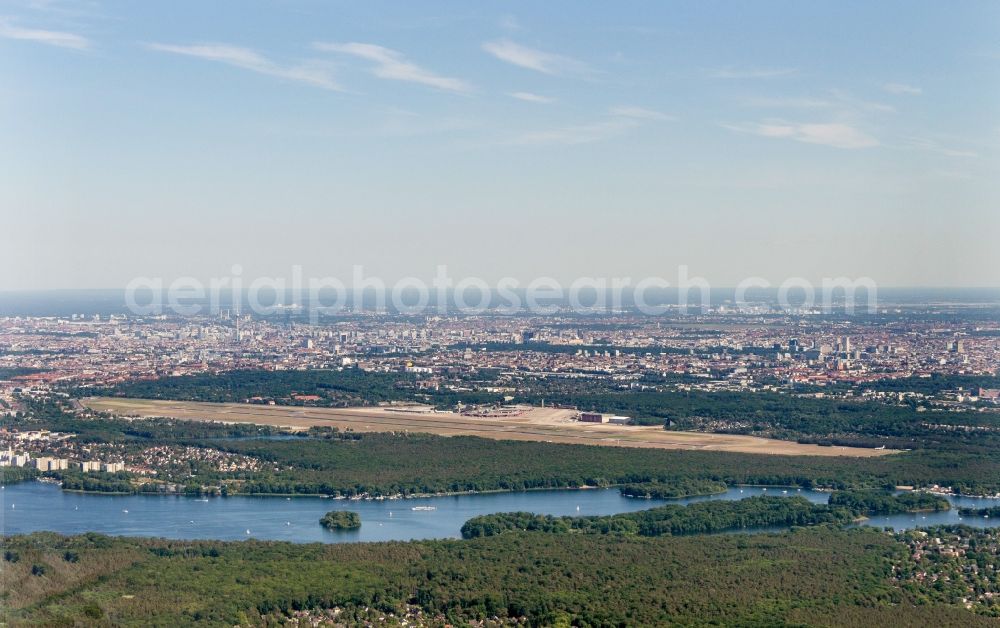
{"type": "Point", "coordinates": [348, 287]}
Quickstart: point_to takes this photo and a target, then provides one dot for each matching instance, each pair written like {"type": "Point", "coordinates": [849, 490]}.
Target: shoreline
{"type": "Point", "coordinates": [401, 496]}
{"type": "Point", "coordinates": [396, 497]}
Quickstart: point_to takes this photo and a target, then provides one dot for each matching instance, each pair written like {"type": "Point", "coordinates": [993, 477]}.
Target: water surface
{"type": "Point", "coordinates": [34, 506]}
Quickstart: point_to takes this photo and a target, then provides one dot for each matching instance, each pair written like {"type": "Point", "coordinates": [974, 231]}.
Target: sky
{"type": "Point", "coordinates": [523, 139]}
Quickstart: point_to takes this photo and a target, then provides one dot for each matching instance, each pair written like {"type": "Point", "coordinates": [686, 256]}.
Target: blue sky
{"type": "Point", "coordinates": [773, 139]}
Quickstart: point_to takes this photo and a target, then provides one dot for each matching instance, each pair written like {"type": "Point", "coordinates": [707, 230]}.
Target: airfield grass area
{"type": "Point", "coordinates": [537, 424]}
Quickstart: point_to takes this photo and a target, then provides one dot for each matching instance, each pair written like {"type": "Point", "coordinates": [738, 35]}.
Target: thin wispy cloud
{"type": "Point", "coordinates": [310, 74]}
{"type": "Point", "coordinates": [954, 174]}
{"type": "Point", "coordinates": [60, 39]}
{"type": "Point", "coordinates": [639, 113]}
{"type": "Point", "coordinates": [835, 134]}
{"type": "Point", "coordinates": [392, 65]}
{"type": "Point", "coordinates": [530, 97]}
{"type": "Point", "coordinates": [510, 23]}
{"type": "Point", "coordinates": [405, 123]}
{"type": "Point", "coordinates": [933, 146]}
{"type": "Point", "coordinates": [731, 72]}
{"type": "Point", "coordinates": [577, 134]}
{"type": "Point", "coordinates": [532, 59]}
{"type": "Point", "coordinates": [954, 152]}
{"type": "Point", "coordinates": [619, 121]}
{"type": "Point", "coordinates": [831, 99]}
{"type": "Point", "coordinates": [788, 103]}
{"type": "Point", "coordinates": [851, 102]}
{"type": "Point", "coordinates": [902, 88]}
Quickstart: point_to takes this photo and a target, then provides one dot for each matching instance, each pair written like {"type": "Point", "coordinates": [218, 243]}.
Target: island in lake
{"type": "Point", "coordinates": [341, 520]}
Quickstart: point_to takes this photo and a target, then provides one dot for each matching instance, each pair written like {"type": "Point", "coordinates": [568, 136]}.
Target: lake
{"type": "Point", "coordinates": [35, 506]}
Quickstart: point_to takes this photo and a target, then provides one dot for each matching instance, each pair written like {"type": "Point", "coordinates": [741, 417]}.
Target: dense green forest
{"type": "Point", "coordinates": [11, 475]}
{"type": "Point", "coordinates": [341, 520]}
{"type": "Point", "coordinates": [398, 463]}
{"type": "Point", "coordinates": [686, 487]}
{"type": "Point", "coordinates": [8, 372]}
{"type": "Point", "coordinates": [674, 520]}
{"type": "Point", "coordinates": [347, 387]}
{"type": "Point", "coordinates": [389, 464]}
{"type": "Point", "coordinates": [713, 516]}
{"type": "Point", "coordinates": [347, 463]}
{"type": "Point", "coordinates": [73, 480]}
{"type": "Point", "coordinates": [815, 576]}
{"type": "Point", "coordinates": [992, 512]}
{"type": "Point", "coordinates": [886, 503]}
{"type": "Point", "coordinates": [935, 384]}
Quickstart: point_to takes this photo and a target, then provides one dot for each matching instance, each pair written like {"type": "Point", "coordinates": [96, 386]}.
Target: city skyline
{"type": "Point", "coordinates": [739, 140]}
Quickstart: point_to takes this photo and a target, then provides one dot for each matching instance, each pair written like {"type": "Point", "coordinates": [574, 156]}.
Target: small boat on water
{"type": "Point", "coordinates": [424, 508]}
{"type": "Point", "coordinates": [248, 530]}
{"type": "Point", "coordinates": [125, 510]}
